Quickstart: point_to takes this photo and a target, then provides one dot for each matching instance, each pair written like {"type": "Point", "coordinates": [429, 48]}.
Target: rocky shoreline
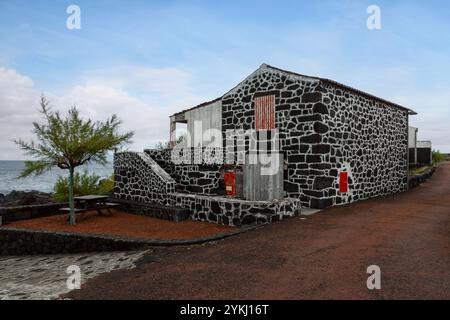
{"type": "Point", "coordinates": [25, 198]}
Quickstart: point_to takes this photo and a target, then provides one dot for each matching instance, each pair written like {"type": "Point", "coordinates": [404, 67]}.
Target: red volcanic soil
{"type": "Point", "coordinates": [126, 225]}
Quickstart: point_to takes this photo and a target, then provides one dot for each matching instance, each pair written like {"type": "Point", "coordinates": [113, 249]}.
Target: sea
{"type": "Point", "coordinates": [11, 169]}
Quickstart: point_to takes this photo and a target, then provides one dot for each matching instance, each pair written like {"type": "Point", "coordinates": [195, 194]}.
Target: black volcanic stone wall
{"type": "Point", "coordinates": [192, 178]}
{"type": "Point", "coordinates": [137, 177]}
{"type": "Point", "coordinates": [414, 181]}
{"type": "Point", "coordinates": [369, 140]}
{"type": "Point", "coordinates": [15, 241]}
{"type": "Point", "coordinates": [323, 131]}
{"type": "Point", "coordinates": [235, 212]}
{"type": "Point", "coordinates": [11, 214]}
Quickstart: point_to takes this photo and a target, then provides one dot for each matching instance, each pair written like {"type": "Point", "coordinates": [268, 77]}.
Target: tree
{"type": "Point", "coordinates": [68, 142]}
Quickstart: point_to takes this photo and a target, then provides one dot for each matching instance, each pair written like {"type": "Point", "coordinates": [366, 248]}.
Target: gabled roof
{"type": "Point", "coordinates": [306, 77]}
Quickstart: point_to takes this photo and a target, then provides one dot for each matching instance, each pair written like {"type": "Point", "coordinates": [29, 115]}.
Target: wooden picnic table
{"type": "Point", "coordinates": [91, 202]}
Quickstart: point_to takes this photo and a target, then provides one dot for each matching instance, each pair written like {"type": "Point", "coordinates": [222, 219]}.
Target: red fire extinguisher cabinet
{"type": "Point", "coordinates": [230, 183]}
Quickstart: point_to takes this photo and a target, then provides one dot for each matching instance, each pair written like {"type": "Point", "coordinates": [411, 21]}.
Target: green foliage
{"type": "Point", "coordinates": [68, 142]}
{"type": "Point", "coordinates": [417, 171]}
{"type": "Point", "coordinates": [438, 156]}
{"type": "Point", "coordinates": [83, 184]}
{"type": "Point", "coordinates": [105, 186]}
{"type": "Point", "coordinates": [161, 145]}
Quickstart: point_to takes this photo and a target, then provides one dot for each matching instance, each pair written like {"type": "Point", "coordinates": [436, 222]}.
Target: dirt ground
{"type": "Point", "coordinates": [323, 256]}
{"type": "Point", "coordinates": [127, 225]}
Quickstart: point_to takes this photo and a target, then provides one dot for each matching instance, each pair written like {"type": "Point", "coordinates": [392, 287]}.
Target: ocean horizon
{"type": "Point", "coordinates": [11, 169]}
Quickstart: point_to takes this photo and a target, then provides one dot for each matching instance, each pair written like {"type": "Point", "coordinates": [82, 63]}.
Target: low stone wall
{"type": "Point", "coordinates": [216, 209]}
{"type": "Point", "coordinates": [236, 212]}
{"type": "Point", "coordinates": [414, 181]}
{"type": "Point", "coordinates": [154, 210]}
{"type": "Point", "coordinates": [11, 214]}
{"type": "Point", "coordinates": [15, 241]}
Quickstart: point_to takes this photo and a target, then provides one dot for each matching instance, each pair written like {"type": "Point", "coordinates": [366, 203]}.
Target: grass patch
{"type": "Point", "coordinates": [417, 171]}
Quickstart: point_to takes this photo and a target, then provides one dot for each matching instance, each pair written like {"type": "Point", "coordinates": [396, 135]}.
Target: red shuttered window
{"type": "Point", "coordinates": [265, 112]}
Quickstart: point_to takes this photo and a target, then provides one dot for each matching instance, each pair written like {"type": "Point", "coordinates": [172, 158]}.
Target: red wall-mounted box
{"type": "Point", "coordinates": [343, 182]}
{"type": "Point", "coordinates": [230, 183]}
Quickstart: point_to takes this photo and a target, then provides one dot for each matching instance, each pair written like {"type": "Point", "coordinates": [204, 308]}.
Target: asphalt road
{"type": "Point", "coordinates": [323, 256]}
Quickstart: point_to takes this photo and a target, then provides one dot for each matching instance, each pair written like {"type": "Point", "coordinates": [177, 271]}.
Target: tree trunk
{"type": "Point", "coordinates": [72, 217]}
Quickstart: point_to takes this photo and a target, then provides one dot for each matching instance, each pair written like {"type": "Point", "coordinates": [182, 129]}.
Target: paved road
{"type": "Point", "coordinates": [325, 255]}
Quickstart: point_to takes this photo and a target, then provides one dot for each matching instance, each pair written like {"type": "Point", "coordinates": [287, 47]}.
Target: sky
{"type": "Point", "coordinates": [145, 60]}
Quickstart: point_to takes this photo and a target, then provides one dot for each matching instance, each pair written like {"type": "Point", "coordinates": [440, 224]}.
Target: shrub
{"type": "Point", "coordinates": [438, 156]}
{"type": "Point", "coordinates": [105, 186]}
{"type": "Point", "coordinates": [83, 184]}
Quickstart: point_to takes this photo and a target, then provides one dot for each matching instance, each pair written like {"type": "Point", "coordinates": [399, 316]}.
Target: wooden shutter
{"type": "Point", "coordinates": [265, 112]}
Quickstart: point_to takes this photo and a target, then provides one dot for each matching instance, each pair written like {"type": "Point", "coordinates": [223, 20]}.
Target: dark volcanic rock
{"type": "Point", "coordinates": [27, 199]}
{"type": "Point", "coordinates": [24, 198]}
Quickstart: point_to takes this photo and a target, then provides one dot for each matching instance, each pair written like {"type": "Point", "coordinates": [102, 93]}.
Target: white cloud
{"type": "Point", "coordinates": [18, 100]}
{"type": "Point", "coordinates": [143, 98]}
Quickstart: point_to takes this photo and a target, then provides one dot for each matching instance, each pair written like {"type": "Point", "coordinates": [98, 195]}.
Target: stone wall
{"type": "Point", "coordinates": [165, 212]}
{"type": "Point", "coordinates": [367, 139]}
{"type": "Point", "coordinates": [138, 177]}
{"type": "Point", "coordinates": [11, 214]}
{"type": "Point", "coordinates": [25, 242]}
{"type": "Point", "coordinates": [200, 178]}
{"type": "Point", "coordinates": [236, 212]}
{"type": "Point", "coordinates": [414, 181]}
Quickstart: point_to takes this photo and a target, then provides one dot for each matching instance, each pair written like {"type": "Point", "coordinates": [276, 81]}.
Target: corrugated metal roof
{"type": "Point", "coordinates": [203, 104]}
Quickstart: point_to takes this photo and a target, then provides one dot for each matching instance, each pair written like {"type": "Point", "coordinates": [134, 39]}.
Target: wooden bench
{"type": "Point", "coordinates": [77, 211]}
{"type": "Point", "coordinates": [107, 206]}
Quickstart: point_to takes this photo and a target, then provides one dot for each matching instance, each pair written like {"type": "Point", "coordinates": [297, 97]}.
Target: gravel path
{"type": "Point", "coordinates": [324, 255]}
{"type": "Point", "coordinates": [45, 277]}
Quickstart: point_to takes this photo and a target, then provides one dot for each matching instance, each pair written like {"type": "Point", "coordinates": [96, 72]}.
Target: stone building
{"type": "Point", "coordinates": [329, 144]}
